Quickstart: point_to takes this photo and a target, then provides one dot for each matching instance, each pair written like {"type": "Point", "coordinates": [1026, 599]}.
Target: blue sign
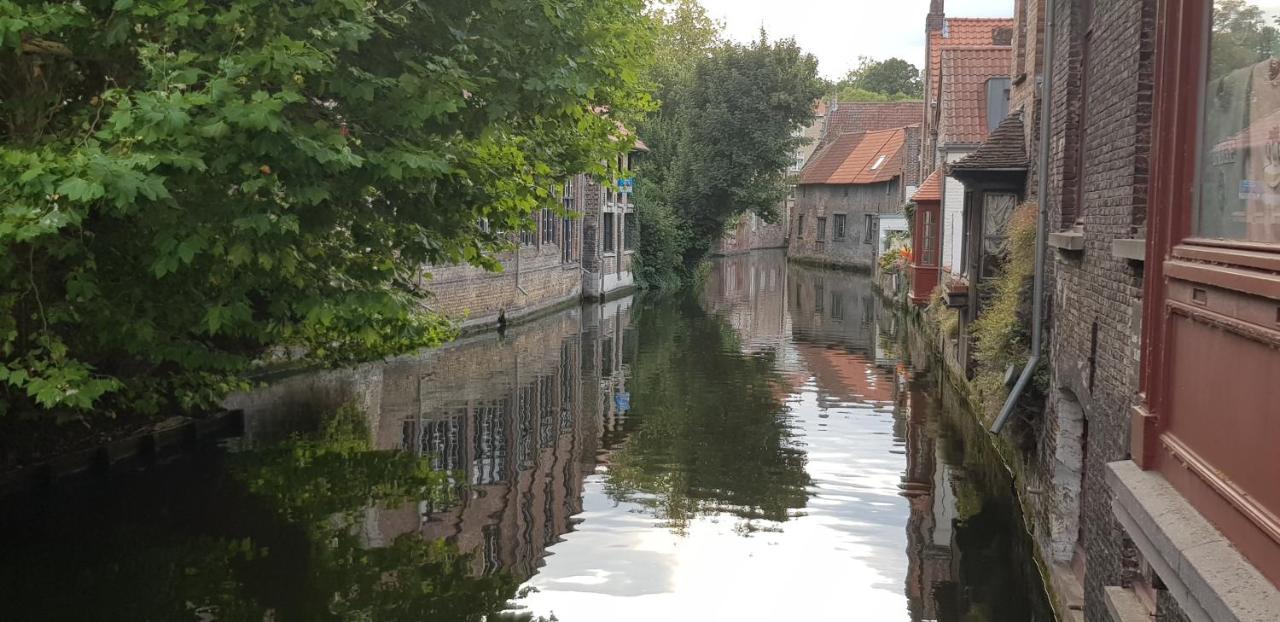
{"type": "Point", "coordinates": [622, 400]}
{"type": "Point", "coordinates": [626, 186]}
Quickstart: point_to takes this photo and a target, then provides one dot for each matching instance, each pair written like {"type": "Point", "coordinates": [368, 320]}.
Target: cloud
{"type": "Point", "coordinates": [839, 31]}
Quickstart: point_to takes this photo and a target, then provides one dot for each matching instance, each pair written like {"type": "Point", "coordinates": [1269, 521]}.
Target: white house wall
{"type": "Point", "coordinates": [952, 217]}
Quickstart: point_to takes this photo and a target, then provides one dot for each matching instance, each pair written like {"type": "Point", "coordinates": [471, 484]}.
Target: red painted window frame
{"type": "Point", "coordinates": [1177, 259]}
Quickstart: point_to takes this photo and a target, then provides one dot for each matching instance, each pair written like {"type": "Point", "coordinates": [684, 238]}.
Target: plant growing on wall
{"type": "Point", "coordinates": [1002, 333]}
{"type": "Point", "coordinates": [186, 186]}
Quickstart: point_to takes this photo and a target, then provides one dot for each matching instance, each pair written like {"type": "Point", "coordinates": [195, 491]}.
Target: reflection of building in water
{"type": "Point", "coordinates": [927, 487]}
{"type": "Point", "coordinates": [832, 307]}
{"type": "Point", "coordinates": [746, 290]}
{"type": "Point", "coordinates": [517, 417]}
{"type": "Point", "coordinates": [838, 327]}
{"type": "Point", "coordinates": [609, 348]}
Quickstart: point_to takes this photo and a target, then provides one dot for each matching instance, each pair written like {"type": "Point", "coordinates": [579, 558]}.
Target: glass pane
{"type": "Point", "coordinates": [1240, 152]}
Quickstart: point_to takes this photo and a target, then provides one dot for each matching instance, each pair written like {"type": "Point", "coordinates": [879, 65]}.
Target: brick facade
{"type": "Point", "coordinates": [542, 273]}
{"type": "Point", "coordinates": [1098, 181]}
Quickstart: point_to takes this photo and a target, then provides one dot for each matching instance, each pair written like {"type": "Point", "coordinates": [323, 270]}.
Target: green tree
{"type": "Point", "coordinates": [185, 186]}
{"type": "Point", "coordinates": [721, 142]}
{"type": "Point", "coordinates": [893, 79]}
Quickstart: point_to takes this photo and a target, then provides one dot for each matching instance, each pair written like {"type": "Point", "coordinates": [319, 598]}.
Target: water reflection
{"type": "Point", "coordinates": [761, 450]}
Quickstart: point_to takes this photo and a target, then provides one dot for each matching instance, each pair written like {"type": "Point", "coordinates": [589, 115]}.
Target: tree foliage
{"type": "Point", "coordinates": [1242, 37]}
{"type": "Point", "coordinates": [185, 185]}
{"type": "Point", "coordinates": [721, 140]}
{"type": "Point", "coordinates": [893, 79]}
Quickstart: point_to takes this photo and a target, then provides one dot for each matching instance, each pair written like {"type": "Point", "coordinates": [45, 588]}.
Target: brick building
{"type": "Point", "coordinates": [846, 189]}
{"type": "Point", "coordinates": [584, 250]}
{"type": "Point", "coordinates": [1148, 473]}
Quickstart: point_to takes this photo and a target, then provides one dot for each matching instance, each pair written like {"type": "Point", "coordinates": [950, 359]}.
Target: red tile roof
{"type": "Point", "coordinates": [966, 32]}
{"type": "Point", "coordinates": [859, 117]}
{"type": "Point", "coordinates": [963, 105]}
{"type": "Point", "coordinates": [867, 158]}
{"type": "Point", "coordinates": [931, 189]}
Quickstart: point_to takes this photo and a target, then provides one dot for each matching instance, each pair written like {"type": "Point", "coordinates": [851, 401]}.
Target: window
{"type": "Point", "coordinates": [607, 228]}
{"type": "Point", "coordinates": [869, 229]}
{"type": "Point", "coordinates": [800, 227]}
{"type": "Point", "coordinates": [629, 231]}
{"type": "Point", "coordinates": [566, 248]}
{"type": "Point", "coordinates": [529, 235]}
{"type": "Point", "coordinates": [549, 227]}
{"type": "Point", "coordinates": [822, 229]}
{"type": "Point", "coordinates": [929, 240]}
{"type": "Point", "coordinates": [997, 101]}
{"type": "Point", "coordinates": [878, 163]}
{"type": "Point", "coordinates": [838, 226]}
{"type": "Point", "coordinates": [1239, 154]}
{"type": "Point", "coordinates": [566, 195]}
{"type": "Point", "coordinates": [997, 209]}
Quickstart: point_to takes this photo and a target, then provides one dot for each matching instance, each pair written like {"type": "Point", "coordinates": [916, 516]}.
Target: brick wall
{"type": "Point", "coordinates": [542, 277]}
{"type": "Point", "coordinates": [477, 297]}
{"type": "Point", "coordinates": [1102, 109]}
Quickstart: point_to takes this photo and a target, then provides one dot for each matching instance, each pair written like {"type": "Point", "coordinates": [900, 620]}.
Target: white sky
{"type": "Point", "coordinates": [839, 31]}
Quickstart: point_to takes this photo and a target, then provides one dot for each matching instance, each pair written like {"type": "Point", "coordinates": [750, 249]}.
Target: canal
{"type": "Point", "coordinates": [763, 449]}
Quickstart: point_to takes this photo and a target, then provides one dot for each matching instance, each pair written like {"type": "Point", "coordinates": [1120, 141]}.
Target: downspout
{"type": "Point", "coordinates": [519, 247]}
{"type": "Point", "coordinates": [1042, 220]}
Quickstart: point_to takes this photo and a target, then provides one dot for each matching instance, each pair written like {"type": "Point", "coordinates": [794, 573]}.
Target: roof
{"type": "Point", "coordinates": [963, 105]}
{"type": "Point", "coordinates": [1004, 150]}
{"type": "Point", "coordinates": [859, 117]}
{"type": "Point", "coordinates": [866, 158]}
{"type": "Point", "coordinates": [931, 189]}
{"type": "Point", "coordinates": [967, 32]}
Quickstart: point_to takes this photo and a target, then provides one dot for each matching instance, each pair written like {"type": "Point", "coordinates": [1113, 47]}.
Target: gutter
{"type": "Point", "coordinates": [1042, 221]}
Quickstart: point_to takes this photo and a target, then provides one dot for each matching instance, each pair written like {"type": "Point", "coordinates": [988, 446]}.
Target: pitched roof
{"type": "Point", "coordinates": [963, 105]}
{"type": "Point", "coordinates": [1005, 149]}
{"type": "Point", "coordinates": [858, 117]}
{"type": "Point", "coordinates": [867, 158]}
{"type": "Point", "coordinates": [931, 189]}
{"type": "Point", "coordinates": [966, 32]}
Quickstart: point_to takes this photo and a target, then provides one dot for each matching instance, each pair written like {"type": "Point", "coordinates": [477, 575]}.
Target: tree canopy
{"type": "Point", "coordinates": [187, 186]}
{"type": "Point", "coordinates": [887, 80]}
{"type": "Point", "coordinates": [721, 140]}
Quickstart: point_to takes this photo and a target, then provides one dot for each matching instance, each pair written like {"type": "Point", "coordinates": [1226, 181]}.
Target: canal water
{"type": "Point", "coordinates": [762, 449]}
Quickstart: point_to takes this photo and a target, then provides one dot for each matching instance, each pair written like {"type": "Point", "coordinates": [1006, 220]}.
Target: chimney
{"type": "Point", "coordinates": [937, 15]}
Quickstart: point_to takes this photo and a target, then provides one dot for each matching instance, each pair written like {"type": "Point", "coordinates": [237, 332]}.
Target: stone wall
{"type": "Point", "coordinates": [856, 249]}
{"type": "Point", "coordinates": [753, 233]}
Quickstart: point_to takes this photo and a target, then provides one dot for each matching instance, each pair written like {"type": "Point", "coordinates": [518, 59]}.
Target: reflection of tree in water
{"type": "Point", "coordinates": [713, 436]}
{"type": "Point", "coordinates": [279, 539]}
{"type": "Point", "coordinates": [326, 485]}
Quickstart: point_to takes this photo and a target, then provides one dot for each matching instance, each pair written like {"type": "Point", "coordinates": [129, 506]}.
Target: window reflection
{"type": "Point", "coordinates": [1240, 159]}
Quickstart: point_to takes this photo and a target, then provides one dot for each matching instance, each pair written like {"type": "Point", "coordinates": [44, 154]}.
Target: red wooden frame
{"type": "Point", "coordinates": [1180, 41]}
{"type": "Point", "coordinates": [1208, 298]}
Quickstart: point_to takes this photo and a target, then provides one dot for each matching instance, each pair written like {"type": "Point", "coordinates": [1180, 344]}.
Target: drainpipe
{"type": "Point", "coordinates": [520, 289]}
{"type": "Point", "coordinates": [1042, 220]}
